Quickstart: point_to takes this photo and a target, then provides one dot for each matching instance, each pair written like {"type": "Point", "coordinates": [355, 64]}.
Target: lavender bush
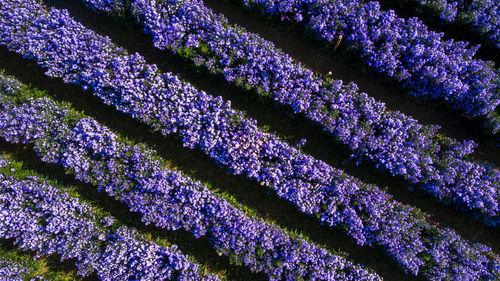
{"type": "Point", "coordinates": [404, 50]}
{"type": "Point", "coordinates": [368, 214]}
{"type": "Point", "coordinates": [447, 10]}
{"type": "Point", "coordinates": [481, 16]}
{"type": "Point", "coordinates": [47, 220]}
{"type": "Point", "coordinates": [137, 177]}
{"type": "Point", "coordinates": [395, 142]}
{"type": "Point", "coordinates": [16, 271]}
{"type": "Point", "coordinates": [201, 120]}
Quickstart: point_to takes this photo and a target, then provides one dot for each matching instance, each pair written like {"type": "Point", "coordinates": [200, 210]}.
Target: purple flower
{"type": "Point", "coordinates": [46, 220]}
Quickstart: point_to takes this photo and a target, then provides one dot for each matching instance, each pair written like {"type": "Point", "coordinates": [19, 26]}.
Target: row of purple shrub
{"type": "Point", "coordinates": [480, 16]}
{"type": "Point", "coordinates": [404, 50]}
{"type": "Point", "coordinates": [77, 55]}
{"type": "Point", "coordinates": [43, 218]}
{"type": "Point", "coordinates": [393, 141]}
{"type": "Point", "coordinates": [136, 176]}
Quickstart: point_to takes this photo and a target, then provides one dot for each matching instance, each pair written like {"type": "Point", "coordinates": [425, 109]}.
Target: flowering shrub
{"type": "Point", "coordinates": [47, 220]}
{"type": "Point", "coordinates": [13, 270]}
{"type": "Point", "coordinates": [404, 50]}
{"type": "Point", "coordinates": [134, 175]}
{"type": "Point", "coordinates": [447, 10]}
{"type": "Point", "coordinates": [125, 81]}
{"type": "Point", "coordinates": [392, 140]}
{"type": "Point", "coordinates": [481, 16]}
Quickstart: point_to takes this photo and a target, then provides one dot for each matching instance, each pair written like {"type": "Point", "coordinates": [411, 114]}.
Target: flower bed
{"type": "Point", "coordinates": [393, 141]}
{"type": "Point", "coordinates": [481, 16]}
{"type": "Point", "coordinates": [136, 176]}
{"type": "Point", "coordinates": [125, 81]}
{"type": "Point", "coordinates": [47, 220]}
{"type": "Point", "coordinates": [403, 50]}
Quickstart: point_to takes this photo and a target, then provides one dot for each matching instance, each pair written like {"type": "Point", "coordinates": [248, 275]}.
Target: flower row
{"type": "Point", "coordinates": [392, 140]}
{"type": "Point", "coordinates": [447, 10]}
{"type": "Point", "coordinates": [45, 219]}
{"type": "Point", "coordinates": [135, 175]}
{"type": "Point", "coordinates": [16, 271]}
{"type": "Point", "coordinates": [403, 50]}
{"type": "Point", "coordinates": [481, 16]}
{"type": "Point", "coordinates": [77, 55]}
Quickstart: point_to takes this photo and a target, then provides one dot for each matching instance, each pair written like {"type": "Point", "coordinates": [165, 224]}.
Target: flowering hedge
{"type": "Point", "coordinates": [136, 176]}
{"type": "Point", "coordinates": [481, 16]}
{"type": "Point", "coordinates": [392, 140]}
{"type": "Point", "coordinates": [16, 271]}
{"type": "Point", "coordinates": [402, 49]}
{"type": "Point", "coordinates": [168, 105]}
{"type": "Point", "coordinates": [47, 220]}
{"type": "Point", "coordinates": [447, 10]}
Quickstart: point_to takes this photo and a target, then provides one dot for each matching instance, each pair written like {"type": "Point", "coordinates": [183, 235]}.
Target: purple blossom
{"type": "Point", "coordinates": [481, 16]}
{"type": "Point", "coordinates": [16, 271]}
{"type": "Point", "coordinates": [395, 142]}
{"type": "Point", "coordinates": [46, 220]}
{"type": "Point", "coordinates": [404, 50]}
{"type": "Point", "coordinates": [169, 105]}
{"type": "Point", "coordinates": [134, 175]}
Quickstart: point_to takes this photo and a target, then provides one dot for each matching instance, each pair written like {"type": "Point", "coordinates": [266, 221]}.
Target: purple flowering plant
{"type": "Point", "coordinates": [404, 50]}
{"type": "Point", "coordinates": [14, 270]}
{"type": "Point", "coordinates": [136, 176]}
{"type": "Point", "coordinates": [43, 218]}
{"type": "Point", "coordinates": [480, 16]}
{"type": "Point", "coordinates": [169, 105]}
{"type": "Point", "coordinates": [393, 141]}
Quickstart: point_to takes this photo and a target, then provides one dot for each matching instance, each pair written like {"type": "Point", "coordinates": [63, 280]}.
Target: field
{"type": "Point", "coordinates": [249, 140]}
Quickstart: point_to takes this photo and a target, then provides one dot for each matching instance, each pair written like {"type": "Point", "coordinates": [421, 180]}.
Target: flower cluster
{"type": "Point", "coordinates": [16, 271]}
{"type": "Point", "coordinates": [134, 175]}
{"type": "Point", "coordinates": [447, 10]}
{"type": "Point", "coordinates": [169, 105]}
{"type": "Point", "coordinates": [47, 220]}
{"type": "Point", "coordinates": [392, 140]}
{"type": "Point", "coordinates": [481, 16]}
{"type": "Point", "coordinates": [404, 50]}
